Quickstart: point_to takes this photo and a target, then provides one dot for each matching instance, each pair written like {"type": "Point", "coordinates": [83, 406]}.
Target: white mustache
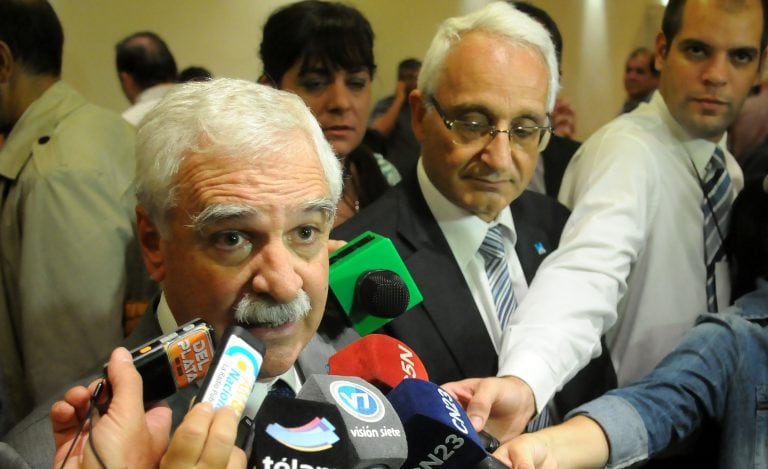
{"type": "Point", "coordinates": [253, 310]}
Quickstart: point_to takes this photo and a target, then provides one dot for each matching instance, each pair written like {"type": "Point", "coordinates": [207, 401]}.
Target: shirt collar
{"type": "Point", "coordinates": [463, 230]}
{"type": "Point", "coordinates": [154, 93]}
{"type": "Point", "coordinates": [699, 150]}
{"type": "Point", "coordinates": [167, 322]}
{"type": "Point", "coordinates": [38, 120]}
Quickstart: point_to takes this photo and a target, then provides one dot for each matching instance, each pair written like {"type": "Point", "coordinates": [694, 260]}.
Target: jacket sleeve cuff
{"type": "Point", "coordinates": [623, 427]}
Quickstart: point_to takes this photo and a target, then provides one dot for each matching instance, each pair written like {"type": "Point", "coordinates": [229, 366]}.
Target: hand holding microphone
{"type": "Point", "coordinates": [206, 437]}
{"type": "Point", "coordinates": [124, 436]}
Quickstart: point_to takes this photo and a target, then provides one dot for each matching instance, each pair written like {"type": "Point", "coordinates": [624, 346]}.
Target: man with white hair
{"type": "Point", "coordinates": [642, 253]}
{"type": "Point", "coordinates": [237, 189]}
{"type": "Point", "coordinates": [469, 233]}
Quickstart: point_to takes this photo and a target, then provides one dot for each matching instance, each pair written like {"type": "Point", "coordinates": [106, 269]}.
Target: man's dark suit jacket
{"type": "Point", "coordinates": [446, 330]}
{"type": "Point", "coordinates": [556, 157]}
{"type": "Point", "coordinates": [32, 438]}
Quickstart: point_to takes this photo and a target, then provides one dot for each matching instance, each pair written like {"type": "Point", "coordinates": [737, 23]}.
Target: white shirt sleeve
{"type": "Point", "coordinates": [573, 298]}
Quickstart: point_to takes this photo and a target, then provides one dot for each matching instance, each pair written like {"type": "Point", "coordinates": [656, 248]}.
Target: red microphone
{"type": "Point", "coordinates": [379, 359]}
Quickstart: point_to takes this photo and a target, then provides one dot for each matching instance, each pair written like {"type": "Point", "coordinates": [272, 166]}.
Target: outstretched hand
{"type": "Point", "coordinates": [502, 406]}
{"type": "Point", "coordinates": [577, 443]}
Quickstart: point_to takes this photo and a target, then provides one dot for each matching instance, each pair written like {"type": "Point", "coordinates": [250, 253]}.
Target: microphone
{"type": "Point", "coordinates": [490, 462]}
{"type": "Point", "coordinates": [438, 430]}
{"type": "Point", "coordinates": [371, 282]}
{"type": "Point", "coordinates": [377, 437]}
{"type": "Point", "coordinates": [379, 359]}
{"type": "Point", "coordinates": [234, 370]}
{"type": "Point", "coordinates": [295, 433]}
{"type": "Point", "coordinates": [174, 361]}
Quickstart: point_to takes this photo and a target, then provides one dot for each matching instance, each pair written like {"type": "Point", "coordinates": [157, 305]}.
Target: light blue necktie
{"type": "Point", "coordinates": [716, 206]}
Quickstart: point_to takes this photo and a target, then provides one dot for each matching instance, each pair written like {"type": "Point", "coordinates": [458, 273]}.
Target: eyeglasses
{"type": "Point", "coordinates": [468, 132]}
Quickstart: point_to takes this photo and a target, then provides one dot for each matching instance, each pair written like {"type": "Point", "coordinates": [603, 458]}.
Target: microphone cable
{"type": "Point", "coordinates": [88, 418]}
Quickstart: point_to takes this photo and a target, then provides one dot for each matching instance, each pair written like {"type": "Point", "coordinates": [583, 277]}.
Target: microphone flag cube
{"type": "Point", "coordinates": [364, 254]}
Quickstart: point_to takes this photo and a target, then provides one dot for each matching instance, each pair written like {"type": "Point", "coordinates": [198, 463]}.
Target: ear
{"type": "Point", "coordinates": [128, 84]}
{"type": "Point", "coordinates": [6, 62]}
{"type": "Point", "coordinates": [265, 80]}
{"type": "Point", "coordinates": [151, 244]}
{"type": "Point", "coordinates": [662, 49]}
{"type": "Point", "coordinates": [418, 111]}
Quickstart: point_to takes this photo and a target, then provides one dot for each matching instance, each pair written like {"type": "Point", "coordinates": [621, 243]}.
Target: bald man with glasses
{"type": "Point", "coordinates": [467, 229]}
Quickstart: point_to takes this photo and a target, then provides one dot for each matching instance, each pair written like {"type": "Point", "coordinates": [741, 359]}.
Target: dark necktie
{"type": "Point", "coordinates": [718, 195]}
{"type": "Point", "coordinates": [281, 388]}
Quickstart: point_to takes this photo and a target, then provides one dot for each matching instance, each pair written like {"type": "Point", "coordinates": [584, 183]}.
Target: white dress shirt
{"type": "Point", "coordinates": [633, 245]}
{"type": "Point", "coordinates": [145, 101]}
{"type": "Point", "coordinates": [465, 233]}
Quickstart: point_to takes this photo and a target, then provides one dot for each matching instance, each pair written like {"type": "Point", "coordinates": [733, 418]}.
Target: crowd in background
{"type": "Point", "coordinates": [553, 270]}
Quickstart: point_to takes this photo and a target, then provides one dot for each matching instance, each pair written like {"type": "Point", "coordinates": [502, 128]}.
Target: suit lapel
{"type": "Point", "coordinates": [533, 243]}
{"type": "Point", "coordinates": [447, 300]}
{"type": "Point", "coordinates": [314, 358]}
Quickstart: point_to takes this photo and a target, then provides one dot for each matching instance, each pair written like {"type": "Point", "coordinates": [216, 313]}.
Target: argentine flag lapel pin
{"type": "Point", "coordinates": [540, 249]}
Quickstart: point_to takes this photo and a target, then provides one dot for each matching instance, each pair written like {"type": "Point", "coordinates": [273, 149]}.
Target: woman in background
{"type": "Point", "coordinates": [323, 52]}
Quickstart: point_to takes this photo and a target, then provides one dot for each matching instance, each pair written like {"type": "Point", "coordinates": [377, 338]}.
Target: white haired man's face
{"type": "Point", "coordinates": [485, 79]}
{"type": "Point", "coordinates": [247, 245]}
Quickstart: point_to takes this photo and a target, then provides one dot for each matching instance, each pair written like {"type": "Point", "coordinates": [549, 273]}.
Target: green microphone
{"type": "Point", "coordinates": [371, 282]}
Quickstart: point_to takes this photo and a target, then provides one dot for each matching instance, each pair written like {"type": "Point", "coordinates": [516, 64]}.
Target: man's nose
{"type": "Point", "coordinates": [498, 153]}
{"type": "Point", "coordinates": [716, 70]}
{"type": "Point", "coordinates": [274, 272]}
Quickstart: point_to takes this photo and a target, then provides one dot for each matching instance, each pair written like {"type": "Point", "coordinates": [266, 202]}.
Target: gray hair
{"type": "Point", "coordinates": [498, 18]}
{"type": "Point", "coordinates": [226, 117]}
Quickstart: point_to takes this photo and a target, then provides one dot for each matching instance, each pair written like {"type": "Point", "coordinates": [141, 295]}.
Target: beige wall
{"type": "Point", "coordinates": [223, 35]}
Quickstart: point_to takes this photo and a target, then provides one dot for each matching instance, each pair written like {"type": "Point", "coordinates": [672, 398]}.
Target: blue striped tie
{"type": "Point", "coordinates": [496, 269]}
{"type": "Point", "coordinates": [718, 196]}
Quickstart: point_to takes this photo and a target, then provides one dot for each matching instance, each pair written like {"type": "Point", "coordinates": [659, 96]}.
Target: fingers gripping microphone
{"type": "Point", "coordinates": [438, 430]}
{"type": "Point", "coordinates": [371, 282]}
{"type": "Point", "coordinates": [377, 437]}
{"type": "Point", "coordinates": [379, 359]}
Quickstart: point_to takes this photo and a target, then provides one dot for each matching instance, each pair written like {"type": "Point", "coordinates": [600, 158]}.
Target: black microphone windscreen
{"type": "Point", "coordinates": [295, 433]}
{"type": "Point", "coordinates": [382, 293]}
{"type": "Point", "coordinates": [490, 463]}
{"type": "Point", "coordinates": [377, 437]}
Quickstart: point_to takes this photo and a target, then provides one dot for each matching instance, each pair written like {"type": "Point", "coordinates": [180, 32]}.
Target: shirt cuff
{"type": "Point", "coordinates": [623, 427]}
{"type": "Point", "coordinates": [535, 372]}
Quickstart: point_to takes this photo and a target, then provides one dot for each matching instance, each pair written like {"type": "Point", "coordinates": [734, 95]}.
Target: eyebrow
{"type": "Point", "coordinates": [215, 213]}
{"type": "Point", "coordinates": [698, 42]}
{"type": "Point", "coordinates": [323, 205]}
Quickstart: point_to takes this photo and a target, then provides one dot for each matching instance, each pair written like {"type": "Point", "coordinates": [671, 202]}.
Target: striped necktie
{"type": "Point", "coordinates": [718, 196]}
{"type": "Point", "coordinates": [496, 268]}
